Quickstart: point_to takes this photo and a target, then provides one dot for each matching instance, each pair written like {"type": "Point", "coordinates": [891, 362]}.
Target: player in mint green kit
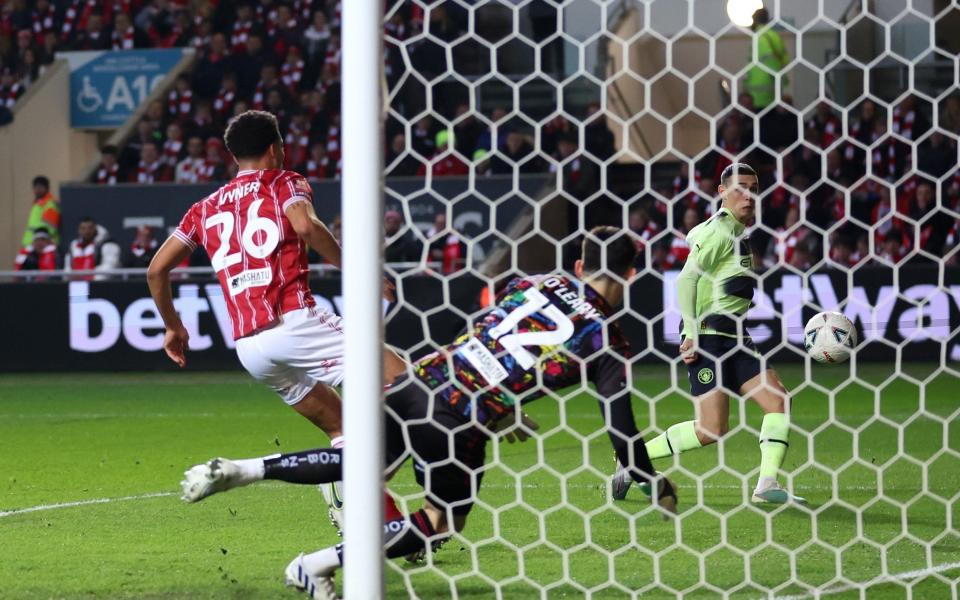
{"type": "Point", "coordinates": [714, 291]}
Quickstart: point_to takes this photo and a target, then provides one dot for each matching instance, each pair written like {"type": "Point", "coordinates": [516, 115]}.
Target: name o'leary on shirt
{"type": "Point", "coordinates": [573, 299]}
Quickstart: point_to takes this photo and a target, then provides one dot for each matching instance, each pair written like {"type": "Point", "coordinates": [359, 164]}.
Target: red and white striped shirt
{"type": "Point", "coordinates": [44, 22]}
{"type": "Point", "coordinates": [107, 176]}
{"type": "Point", "coordinates": [259, 259]}
{"type": "Point", "coordinates": [171, 152]}
{"type": "Point", "coordinates": [291, 74]}
{"type": "Point", "coordinates": [180, 104]}
{"type": "Point", "coordinates": [241, 32]}
{"type": "Point", "coordinates": [150, 172]}
{"type": "Point", "coordinates": [224, 102]}
{"type": "Point", "coordinates": [123, 40]}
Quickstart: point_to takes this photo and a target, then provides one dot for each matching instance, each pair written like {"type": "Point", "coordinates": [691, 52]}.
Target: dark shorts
{"type": "Point", "coordinates": [735, 369]}
{"type": "Point", "coordinates": [420, 427]}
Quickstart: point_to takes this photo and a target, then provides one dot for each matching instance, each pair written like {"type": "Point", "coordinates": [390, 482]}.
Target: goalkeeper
{"type": "Point", "coordinates": [714, 291]}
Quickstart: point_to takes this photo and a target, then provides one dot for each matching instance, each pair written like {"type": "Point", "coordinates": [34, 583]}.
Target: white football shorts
{"type": "Point", "coordinates": [304, 348]}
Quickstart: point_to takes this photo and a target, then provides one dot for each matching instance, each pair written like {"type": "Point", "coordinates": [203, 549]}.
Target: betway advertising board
{"type": "Point", "coordinates": [111, 326]}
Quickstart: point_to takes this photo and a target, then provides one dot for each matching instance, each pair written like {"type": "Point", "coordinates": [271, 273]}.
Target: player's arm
{"type": "Point", "coordinates": [703, 257]}
{"type": "Point", "coordinates": [609, 374]}
{"type": "Point", "coordinates": [173, 252]}
{"type": "Point", "coordinates": [312, 231]}
{"type": "Point", "coordinates": [686, 284]}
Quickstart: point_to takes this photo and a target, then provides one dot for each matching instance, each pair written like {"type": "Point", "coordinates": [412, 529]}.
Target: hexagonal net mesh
{"type": "Point", "coordinates": [514, 127]}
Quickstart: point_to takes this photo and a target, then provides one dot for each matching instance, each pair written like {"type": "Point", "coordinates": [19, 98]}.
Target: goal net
{"type": "Point", "coordinates": [528, 123]}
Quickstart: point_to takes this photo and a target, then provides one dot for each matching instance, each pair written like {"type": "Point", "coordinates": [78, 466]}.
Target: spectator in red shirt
{"type": "Point", "coordinates": [642, 226]}
{"type": "Point", "coordinates": [142, 249]}
{"type": "Point", "coordinates": [841, 253]}
{"type": "Point", "coordinates": [446, 247]}
{"type": "Point", "coordinates": [444, 163]}
{"type": "Point", "coordinates": [214, 167]}
{"type": "Point", "coordinates": [124, 36]}
{"type": "Point", "coordinates": [151, 168]}
{"type": "Point", "coordinates": [173, 146]}
{"type": "Point", "coordinates": [893, 249]}
{"type": "Point", "coordinates": [189, 169]}
{"type": "Point", "coordinates": [108, 173]}
{"type": "Point", "coordinates": [40, 255]}
{"type": "Point", "coordinates": [318, 166]}
{"type": "Point", "coordinates": [679, 248]}
{"type": "Point", "coordinates": [92, 249]}
{"type": "Point", "coordinates": [93, 37]}
{"type": "Point", "coordinates": [226, 97]}
{"type": "Point", "coordinates": [180, 99]}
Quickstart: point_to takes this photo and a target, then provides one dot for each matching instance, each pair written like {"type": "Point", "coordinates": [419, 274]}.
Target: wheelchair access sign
{"type": "Point", "coordinates": [107, 87]}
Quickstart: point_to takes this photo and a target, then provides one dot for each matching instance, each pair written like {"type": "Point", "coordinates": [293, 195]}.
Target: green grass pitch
{"type": "Point", "coordinates": [538, 531]}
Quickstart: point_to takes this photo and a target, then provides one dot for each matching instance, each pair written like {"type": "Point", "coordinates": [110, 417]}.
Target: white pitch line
{"type": "Point", "coordinates": [30, 509]}
{"type": "Point", "coordinates": [876, 581]}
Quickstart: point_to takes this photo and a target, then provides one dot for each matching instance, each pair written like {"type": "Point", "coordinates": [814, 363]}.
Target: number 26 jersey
{"type": "Point", "coordinates": [545, 333]}
{"type": "Point", "coordinates": [259, 259]}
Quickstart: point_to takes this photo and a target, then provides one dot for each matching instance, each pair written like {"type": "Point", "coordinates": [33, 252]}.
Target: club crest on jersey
{"type": "Point", "coordinates": [705, 375]}
{"type": "Point", "coordinates": [248, 279]}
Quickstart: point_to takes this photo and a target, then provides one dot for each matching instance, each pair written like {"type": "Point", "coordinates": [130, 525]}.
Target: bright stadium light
{"type": "Point", "coordinates": [741, 11]}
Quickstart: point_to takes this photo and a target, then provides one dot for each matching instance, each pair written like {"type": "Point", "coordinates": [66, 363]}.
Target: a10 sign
{"type": "Point", "coordinates": [107, 87]}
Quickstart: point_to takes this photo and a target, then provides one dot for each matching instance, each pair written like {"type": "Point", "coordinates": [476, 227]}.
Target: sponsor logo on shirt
{"type": "Point", "coordinates": [483, 361]}
{"type": "Point", "coordinates": [249, 279]}
{"type": "Point", "coordinates": [302, 187]}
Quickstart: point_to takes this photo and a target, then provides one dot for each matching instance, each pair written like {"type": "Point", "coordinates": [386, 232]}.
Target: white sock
{"type": "Point", "coordinates": [322, 563]}
{"type": "Point", "coordinates": [337, 442]}
{"type": "Point", "coordinates": [251, 469]}
{"type": "Point", "coordinates": [766, 483]}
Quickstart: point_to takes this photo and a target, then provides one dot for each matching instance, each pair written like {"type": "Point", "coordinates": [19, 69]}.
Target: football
{"type": "Point", "coordinates": [829, 337]}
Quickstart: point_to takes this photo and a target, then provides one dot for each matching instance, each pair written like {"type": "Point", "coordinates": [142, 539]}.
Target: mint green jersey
{"type": "Point", "coordinates": [716, 284]}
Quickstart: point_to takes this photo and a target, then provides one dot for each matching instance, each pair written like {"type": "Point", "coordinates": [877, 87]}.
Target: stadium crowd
{"type": "Point", "coordinates": [805, 217]}
{"type": "Point", "coordinates": [284, 56]}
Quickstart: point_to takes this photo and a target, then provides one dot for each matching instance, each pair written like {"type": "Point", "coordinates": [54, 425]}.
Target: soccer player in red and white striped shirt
{"type": "Point", "coordinates": [256, 230]}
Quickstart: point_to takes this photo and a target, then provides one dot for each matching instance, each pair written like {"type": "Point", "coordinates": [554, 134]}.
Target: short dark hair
{"type": "Point", "coordinates": [761, 16]}
{"type": "Point", "coordinates": [41, 180]}
{"type": "Point", "coordinates": [737, 168]}
{"type": "Point", "coordinates": [109, 149]}
{"type": "Point", "coordinates": [250, 134]}
{"type": "Point", "coordinates": [608, 249]}
{"type": "Point", "coordinates": [87, 219]}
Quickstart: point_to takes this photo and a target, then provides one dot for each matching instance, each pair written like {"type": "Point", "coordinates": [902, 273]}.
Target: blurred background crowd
{"type": "Point", "coordinates": [285, 57]}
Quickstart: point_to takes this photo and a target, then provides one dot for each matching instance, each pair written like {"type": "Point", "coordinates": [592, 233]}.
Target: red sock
{"type": "Point", "coordinates": [390, 510]}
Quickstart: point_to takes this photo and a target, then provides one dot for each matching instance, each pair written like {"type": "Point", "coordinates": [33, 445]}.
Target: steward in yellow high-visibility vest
{"type": "Point", "coordinates": [769, 51]}
{"type": "Point", "coordinates": [45, 213]}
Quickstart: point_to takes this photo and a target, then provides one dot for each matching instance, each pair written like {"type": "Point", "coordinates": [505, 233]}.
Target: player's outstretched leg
{"type": "Point", "coordinates": [713, 411]}
{"type": "Point", "coordinates": [220, 474]}
{"type": "Point", "coordinates": [768, 392]}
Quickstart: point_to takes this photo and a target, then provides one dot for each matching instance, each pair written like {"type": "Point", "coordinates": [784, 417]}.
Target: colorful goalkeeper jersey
{"type": "Point", "coordinates": [545, 333]}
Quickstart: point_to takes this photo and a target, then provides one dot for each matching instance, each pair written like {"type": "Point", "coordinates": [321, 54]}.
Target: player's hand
{"type": "Point", "coordinates": [517, 432]}
{"type": "Point", "coordinates": [688, 351]}
{"type": "Point", "coordinates": [388, 290]}
{"type": "Point", "coordinates": [175, 343]}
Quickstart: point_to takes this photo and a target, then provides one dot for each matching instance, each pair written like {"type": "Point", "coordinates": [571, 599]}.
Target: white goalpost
{"type": "Point", "coordinates": [528, 122]}
{"type": "Point", "coordinates": [362, 209]}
